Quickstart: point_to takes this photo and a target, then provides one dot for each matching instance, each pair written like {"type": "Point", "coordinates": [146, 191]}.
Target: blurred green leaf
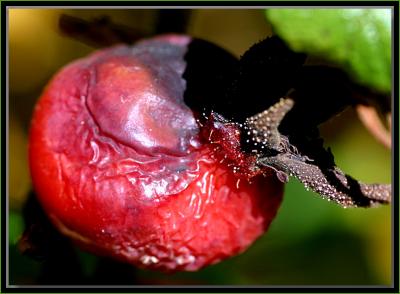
{"type": "Point", "coordinates": [333, 255]}
{"type": "Point", "coordinates": [16, 226]}
{"type": "Point", "coordinates": [359, 40]}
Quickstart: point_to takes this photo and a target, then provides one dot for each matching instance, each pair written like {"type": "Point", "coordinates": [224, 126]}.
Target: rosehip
{"type": "Point", "coordinates": [123, 168]}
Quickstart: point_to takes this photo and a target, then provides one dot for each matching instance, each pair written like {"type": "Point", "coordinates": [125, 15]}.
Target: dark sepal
{"type": "Point", "coordinates": [266, 73]}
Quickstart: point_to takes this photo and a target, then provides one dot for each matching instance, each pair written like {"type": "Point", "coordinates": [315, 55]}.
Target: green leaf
{"type": "Point", "coordinates": [16, 227]}
{"type": "Point", "coordinates": [359, 40]}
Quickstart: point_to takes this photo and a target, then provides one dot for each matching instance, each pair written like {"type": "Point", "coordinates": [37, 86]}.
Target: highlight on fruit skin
{"type": "Point", "coordinates": [119, 164]}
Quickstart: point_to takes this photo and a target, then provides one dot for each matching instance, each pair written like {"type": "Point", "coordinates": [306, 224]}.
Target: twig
{"type": "Point", "coordinates": [370, 119]}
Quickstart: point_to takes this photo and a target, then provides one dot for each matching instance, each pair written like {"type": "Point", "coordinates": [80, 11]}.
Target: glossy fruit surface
{"type": "Point", "coordinates": [120, 165]}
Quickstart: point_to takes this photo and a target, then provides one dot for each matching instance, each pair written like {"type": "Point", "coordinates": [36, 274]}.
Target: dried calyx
{"type": "Point", "coordinates": [285, 136]}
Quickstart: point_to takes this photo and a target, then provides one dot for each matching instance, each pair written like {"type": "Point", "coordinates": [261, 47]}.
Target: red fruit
{"type": "Point", "coordinates": [120, 166]}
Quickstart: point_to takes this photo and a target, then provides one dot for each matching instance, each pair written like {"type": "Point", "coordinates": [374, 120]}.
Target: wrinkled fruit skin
{"type": "Point", "coordinates": [119, 165]}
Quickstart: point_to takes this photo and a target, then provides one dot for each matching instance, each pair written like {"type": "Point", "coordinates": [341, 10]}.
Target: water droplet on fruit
{"type": "Point", "coordinates": [147, 259]}
{"type": "Point", "coordinates": [195, 143]}
{"type": "Point", "coordinates": [182, 259]}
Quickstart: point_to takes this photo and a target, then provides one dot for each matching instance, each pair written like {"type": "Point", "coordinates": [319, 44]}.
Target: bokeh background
{"type": "Point", "coordinates": [311, 241]}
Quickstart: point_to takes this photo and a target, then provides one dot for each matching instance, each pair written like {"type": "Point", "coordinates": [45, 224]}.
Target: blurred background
{"type": "Point", "coordinates": [311, 241]}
